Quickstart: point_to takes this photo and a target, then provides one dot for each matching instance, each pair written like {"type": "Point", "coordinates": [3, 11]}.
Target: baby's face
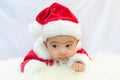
{"type": "Point", "coordinates": [61, 48]}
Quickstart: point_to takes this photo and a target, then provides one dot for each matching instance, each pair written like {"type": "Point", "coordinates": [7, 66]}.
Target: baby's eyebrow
{"type": "Point", "coordinates": [53, 42]}
{"type": "Point", "coordinates": [69, 42]}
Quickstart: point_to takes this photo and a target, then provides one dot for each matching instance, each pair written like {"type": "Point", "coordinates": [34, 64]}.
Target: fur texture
{"type": "Point", "coordinates": [103, 67]}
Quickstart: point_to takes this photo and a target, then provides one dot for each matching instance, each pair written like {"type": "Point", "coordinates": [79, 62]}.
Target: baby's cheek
{"type": "Point", "coordinates": [72, 53]}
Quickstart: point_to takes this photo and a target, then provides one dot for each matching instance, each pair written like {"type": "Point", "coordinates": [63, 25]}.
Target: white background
{"type": "Point", "coordinates": [100, 20]}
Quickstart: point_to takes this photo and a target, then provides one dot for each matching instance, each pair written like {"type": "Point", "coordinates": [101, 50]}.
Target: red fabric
{"type": "Point", "coordinates": [55, 12]}
{"type": "Point", "coordinates": [31, 55]}
{"type": "Point", "coordinates": [82, 51]}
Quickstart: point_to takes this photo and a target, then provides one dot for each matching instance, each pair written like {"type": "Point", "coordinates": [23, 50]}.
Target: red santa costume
{"type": "Point", "coordinates": [52, 21]}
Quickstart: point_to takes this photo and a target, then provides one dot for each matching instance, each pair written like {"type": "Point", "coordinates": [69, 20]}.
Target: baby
{"type": "Point", "coordinates": [59, 41]}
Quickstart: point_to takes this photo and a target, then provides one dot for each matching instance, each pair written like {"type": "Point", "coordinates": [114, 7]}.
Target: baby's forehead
{"type": "Point", "coordinates": [62, 39]}
{"type": "Point", "coordinates": [62, 36]}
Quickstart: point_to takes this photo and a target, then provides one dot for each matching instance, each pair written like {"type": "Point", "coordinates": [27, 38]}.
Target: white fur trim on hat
{"type": "Point", "coordinates": [35, 28]}
{"type": "Point", "coordinates": [61, 27]}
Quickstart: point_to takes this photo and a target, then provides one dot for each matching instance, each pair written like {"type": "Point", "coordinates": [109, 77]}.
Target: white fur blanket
{"type": "Point", "coordinates": [103, 67]}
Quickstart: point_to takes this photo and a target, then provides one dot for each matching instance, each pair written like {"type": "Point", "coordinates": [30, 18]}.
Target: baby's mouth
{"type": "Point", "coordinates": [64, 59]}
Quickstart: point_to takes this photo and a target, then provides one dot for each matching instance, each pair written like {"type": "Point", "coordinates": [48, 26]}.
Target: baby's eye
{"type": "Point", "coordinates": [55, 46]}
{"type": "Point", "coordinates": [68, 45]}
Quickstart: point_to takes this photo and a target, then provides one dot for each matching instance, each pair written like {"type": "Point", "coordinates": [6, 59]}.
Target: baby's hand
{"type": "Point", "coordinates": [78, 67]}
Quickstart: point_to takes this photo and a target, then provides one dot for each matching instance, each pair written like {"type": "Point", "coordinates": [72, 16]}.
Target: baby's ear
{"type": "Point", "coordinates": [45, 43]}
{"type": "Point", "coordinates": [78, 41]}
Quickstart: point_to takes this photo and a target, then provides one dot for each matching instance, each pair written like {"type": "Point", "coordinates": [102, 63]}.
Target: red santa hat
{"type": "Point", "coordinates": [52, 21]}
{"type": "Point", "coordinates": [55, 20]}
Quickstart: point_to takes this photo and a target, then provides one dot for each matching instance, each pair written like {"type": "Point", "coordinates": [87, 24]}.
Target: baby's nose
{"type": "Point", "coordinates": [62, 52]}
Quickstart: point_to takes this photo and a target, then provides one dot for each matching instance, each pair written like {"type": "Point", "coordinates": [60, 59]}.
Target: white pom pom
{"type": "Point", "coordinates": [35, 28]}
